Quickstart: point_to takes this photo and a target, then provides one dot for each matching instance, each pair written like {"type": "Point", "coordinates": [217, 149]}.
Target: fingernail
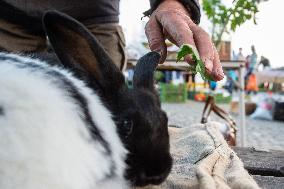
{"type": "Point", "coordinates": [208, 65]}
{"type": "Point", "coordinates": [219, 74]}
{"type": "Point", "coordinates": [188, 59]}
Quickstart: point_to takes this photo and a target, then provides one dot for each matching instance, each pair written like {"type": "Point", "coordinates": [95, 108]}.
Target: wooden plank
{"type": "Point", "coordinates": [183, 66]}
{"type": "Point", "coordinates": [260, 162]}
{"type": "Point", "coordinates": [269, 182]}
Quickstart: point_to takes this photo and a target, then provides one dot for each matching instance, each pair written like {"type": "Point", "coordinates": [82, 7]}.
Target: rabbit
{"type": "Point", "coordinates": [77, 124]}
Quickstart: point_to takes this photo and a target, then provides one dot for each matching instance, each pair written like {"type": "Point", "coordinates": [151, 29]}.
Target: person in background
{"type": "Point", "coordinates": [253, 59]}
{"type": "Point", "coordinates": [252, 62]}
{"type": "Point", "coordinates": [231, 81]}
{"type": "Point", "coordinates": [240, 56]}
{"type": "Point", "coordinates": [231, 74]}
{"type": "Point", "coordinates": [177, 20]}
{"type": "Point", "coordinates": [264, 62]}
{"type": "Point", "coordinates": [212, 85]}
{"type": "Point", "coordinates": [247, 60]}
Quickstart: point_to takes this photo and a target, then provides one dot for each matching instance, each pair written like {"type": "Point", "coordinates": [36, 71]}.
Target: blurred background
{"type": "Point", "coordinates": [249, 37]}
{"type": "Point", "coordinates": [266, 35]}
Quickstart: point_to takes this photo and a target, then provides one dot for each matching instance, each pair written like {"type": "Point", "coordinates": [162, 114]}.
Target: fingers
{"type": "Point", "coordinates": [156, 38]}
{"type": "Point", "coordinates": [176, 27]}
{"type": "Point", "coordinates": [187, 58]}
{"type": "Point", "coordinates": [172, 21]}
{"type": "Point", "coordinates": [204, 46]}
{"type": "Point", "coordinates": [207, 51]}
{"type": "Point", "coordinates": [217, 72]}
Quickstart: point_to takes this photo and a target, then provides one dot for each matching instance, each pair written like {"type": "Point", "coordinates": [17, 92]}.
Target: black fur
{"type": "Point", "coordinates": [1, 111]}
{"type": "Point", "coordinates": [149, 160]}
{"type": "Point", "coordinates": [97, 61]}
{"type": "Point", "coordinates": [12, 59]}
{"type": "Point", "coordinates": [144, 72]}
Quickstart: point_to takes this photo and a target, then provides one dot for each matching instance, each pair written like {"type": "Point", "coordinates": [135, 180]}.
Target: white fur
{"type": "Point", "coordinates": [43, 142]}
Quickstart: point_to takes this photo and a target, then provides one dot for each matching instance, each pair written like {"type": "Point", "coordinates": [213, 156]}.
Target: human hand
{"type": "Point", "coordinates": [172, 21]}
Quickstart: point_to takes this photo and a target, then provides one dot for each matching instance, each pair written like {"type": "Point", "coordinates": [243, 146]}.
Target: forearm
{"type": "Point", "coordinates": [192, 6]}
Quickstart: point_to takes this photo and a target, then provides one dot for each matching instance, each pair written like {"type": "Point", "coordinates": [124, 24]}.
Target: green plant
{"type": "Point", "coordinates": [173, 93]}
{"type": "Point", "coordinates": [159, 76]}
{"type": "Point", "coordinates": [226, 18]}
{"type": "Point", "coordinates": [199, 66]}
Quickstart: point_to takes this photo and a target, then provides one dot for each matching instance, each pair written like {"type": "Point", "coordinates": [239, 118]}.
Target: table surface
{"type": "Point", "coordinates": [266, 167]}
{"type": "Point", "coordinates": [183, 66]}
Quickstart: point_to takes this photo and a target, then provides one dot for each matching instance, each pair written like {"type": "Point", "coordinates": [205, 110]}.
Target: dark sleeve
{"type": "Point", "coordinates": [192, 5]}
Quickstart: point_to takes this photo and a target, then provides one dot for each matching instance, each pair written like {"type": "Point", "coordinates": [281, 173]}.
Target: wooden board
{"type": "Point", "coordinates": [269, 182]}
{"type": "Point", "coordinates": [259, 162]}
{"type": "Point", "coordinates": [266, 167]}
{"type": "Point", "coordinates": [171, 65]}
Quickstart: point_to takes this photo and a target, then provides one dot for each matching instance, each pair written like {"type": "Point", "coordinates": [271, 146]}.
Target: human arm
{"type": "Point", "coordinates": [192, 6]}
{"type": "Point", "coordinates": [177, 21]}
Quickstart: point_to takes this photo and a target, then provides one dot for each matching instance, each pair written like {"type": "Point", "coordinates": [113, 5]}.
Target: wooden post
{"type": "Point", "coordinates": [242, 113]}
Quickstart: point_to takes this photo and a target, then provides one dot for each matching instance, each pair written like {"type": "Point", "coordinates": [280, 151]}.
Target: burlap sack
{"type": "Point", "coordinates": [203, 160]}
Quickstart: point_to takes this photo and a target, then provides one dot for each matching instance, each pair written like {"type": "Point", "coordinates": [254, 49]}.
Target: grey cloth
{"type": "Point", "coordinates": [203, 160]}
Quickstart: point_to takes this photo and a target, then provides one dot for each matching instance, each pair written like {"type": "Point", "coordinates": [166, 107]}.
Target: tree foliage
{"type": "Point", "coordinates": [226, 18]}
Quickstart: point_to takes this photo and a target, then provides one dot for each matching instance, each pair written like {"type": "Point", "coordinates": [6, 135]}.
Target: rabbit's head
{"type": "Point", "coordinates": [141, 123]}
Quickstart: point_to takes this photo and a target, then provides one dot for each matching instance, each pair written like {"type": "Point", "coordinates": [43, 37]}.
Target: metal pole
{"type": "Point", "coordinates": [242, 113]}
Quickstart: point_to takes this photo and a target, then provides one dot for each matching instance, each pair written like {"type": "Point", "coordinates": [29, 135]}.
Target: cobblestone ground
{"type": "Point", "coordinates": [260, 134]}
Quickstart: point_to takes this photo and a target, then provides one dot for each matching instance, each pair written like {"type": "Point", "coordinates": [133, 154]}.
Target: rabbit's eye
{"type": "Point", "coordinates": [126, 126]}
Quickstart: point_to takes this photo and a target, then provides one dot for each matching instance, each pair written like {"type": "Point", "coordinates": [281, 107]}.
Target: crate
{"type": "Point", "coordinates": [173, 93]}
{"type": "Point", "coordinates": [250, 107]}
{"type": "Point", "coordinates": [220, 99]}
{"type": "Point", "coordinates": [191, 94]}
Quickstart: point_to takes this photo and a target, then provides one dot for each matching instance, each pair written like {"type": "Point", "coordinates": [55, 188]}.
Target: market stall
{"type": "Point", "coordinates": [270, 75]}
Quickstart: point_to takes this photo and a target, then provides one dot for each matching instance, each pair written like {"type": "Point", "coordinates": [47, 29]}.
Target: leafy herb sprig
{"type": "Point", "coordinates": [199, 66]}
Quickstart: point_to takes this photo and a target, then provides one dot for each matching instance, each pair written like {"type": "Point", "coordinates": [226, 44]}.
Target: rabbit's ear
{"type": "Point", "coordinates": [79, 51]}
{"type": "Point", "coordinates": [144, 70]}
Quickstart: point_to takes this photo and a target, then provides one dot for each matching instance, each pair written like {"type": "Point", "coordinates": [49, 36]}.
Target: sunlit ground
{"type": "Point", "coordinates": [259, 133]}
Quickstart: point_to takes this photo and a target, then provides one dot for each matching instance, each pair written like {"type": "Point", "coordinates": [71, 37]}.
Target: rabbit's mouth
{"type": "Point", "coordinates": [143, 180]}
{"type": "Point", "coordinates": [149, 174]}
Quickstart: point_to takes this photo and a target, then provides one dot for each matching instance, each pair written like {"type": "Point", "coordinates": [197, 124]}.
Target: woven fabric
{"type": "Point", "coordinates": [203, 160]}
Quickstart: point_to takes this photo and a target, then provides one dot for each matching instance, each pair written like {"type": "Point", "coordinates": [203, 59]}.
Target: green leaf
{"type": "Point", "coordinates": [185, 50]}
{"type": "Point", "coordinates": [199, 66]}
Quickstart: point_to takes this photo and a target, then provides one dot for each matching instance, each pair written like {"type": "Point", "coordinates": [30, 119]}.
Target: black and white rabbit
{"type": "Point", "coordinates": [78, 125]}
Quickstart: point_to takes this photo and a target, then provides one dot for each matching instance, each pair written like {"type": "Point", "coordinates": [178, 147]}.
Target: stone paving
{"type": "Point", "coordinates": [260, 134]}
